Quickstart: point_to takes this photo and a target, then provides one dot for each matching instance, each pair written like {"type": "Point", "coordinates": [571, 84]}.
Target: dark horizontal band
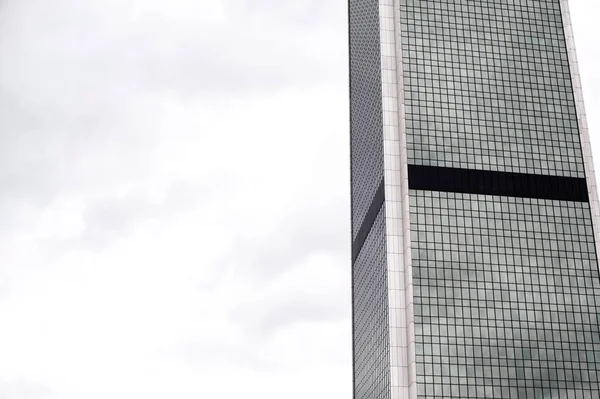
{"type": "Point", "coordinates": [365, 227]}
{"type": "Point", "coordinates": [508, 184]}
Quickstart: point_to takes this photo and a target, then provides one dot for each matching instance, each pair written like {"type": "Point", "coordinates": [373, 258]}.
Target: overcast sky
{"type": "Point", "coordinates": [174, 204]}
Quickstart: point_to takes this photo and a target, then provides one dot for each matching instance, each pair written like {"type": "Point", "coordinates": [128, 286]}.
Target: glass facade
{"type": "Point", "coordinates": [507, 297]}
{"type": "Point", "coordinates": [371, 368]}
{"type": "Point", "coordinates": [371, 336]}
{"type": "Point", "coordinates": [365, 104]}
{"type": "Point", "coordinates": [487, 86]}
{"type": "Point", "coordinates": [493, 288]}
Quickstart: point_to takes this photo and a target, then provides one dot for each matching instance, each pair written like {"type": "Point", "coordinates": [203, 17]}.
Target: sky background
{"type": "Point", "coordinates": [174, 197]}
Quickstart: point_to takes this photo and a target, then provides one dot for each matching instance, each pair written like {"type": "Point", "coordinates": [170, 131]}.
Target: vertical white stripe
{"type": "Point", "coordinates": [397, 220]}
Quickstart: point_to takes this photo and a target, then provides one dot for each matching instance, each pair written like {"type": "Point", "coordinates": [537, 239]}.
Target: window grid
{"type": "Point", "coordinates": [507, 294]}
{"type": "Point", "coordinates": [487, 86]}
{"type": "Point", "coordinates": [370, 316]}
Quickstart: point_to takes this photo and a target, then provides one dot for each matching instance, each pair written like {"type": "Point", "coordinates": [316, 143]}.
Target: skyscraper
{"type": "Point", "coordinates": [474, 203]}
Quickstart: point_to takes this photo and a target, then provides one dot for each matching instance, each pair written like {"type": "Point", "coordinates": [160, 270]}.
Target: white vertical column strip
{"type": "Point", "coordinates": [406, 244]}
{"type": "Point", "coordinates": [400, 307]}
{"type": "Point", "coordinates": [582, 120]}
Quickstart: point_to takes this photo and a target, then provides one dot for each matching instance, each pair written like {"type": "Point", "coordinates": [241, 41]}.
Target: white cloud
{"type": "Point", "coordinates": [149, 156]}
{"type": "Point", "coordinates": [23, 390]}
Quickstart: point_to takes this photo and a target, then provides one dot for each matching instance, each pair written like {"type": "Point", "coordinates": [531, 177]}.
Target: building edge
{"type": "Point", "coordinates": [397, 218]}
{"type": "Point", "coordinates": [351, 202]}
{"type": "Point", "coordinates": [586, 147]}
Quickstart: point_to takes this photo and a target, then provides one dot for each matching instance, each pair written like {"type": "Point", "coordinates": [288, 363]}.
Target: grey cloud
{"type": "Point", "coordinates": [230, 63]}
{"type": "Point", "coordinates": [24, 168]}
{"type": "Point", "coordinates": [218, 354]}
{"type": "Point", "coordinates": [23, 390]}
{"type": "Point", "coordinates": [86, 51]}
{"type": "Point", "coordinates": [320, 228]}
{"type": "Point", "coordinates": [49, 149]}
{"type": "Point", "coordinates": [319, 225]}
{"type": "Point", "coordinates": [109, 217]}
{"type": "Point", "coordinates": [305, 13]}
{"type": "Point", "coordinates": [261, 319]}
{"type": "Point", "coordinates": [76, 79]}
